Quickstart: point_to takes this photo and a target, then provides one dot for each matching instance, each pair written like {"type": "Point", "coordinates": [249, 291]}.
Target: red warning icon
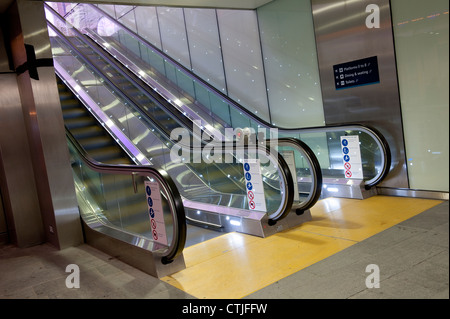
{"type": "Point", "coordinates": [348, 174]}
{"type": "Point", "coordinates": [251, 196]}
{"type": "Point", "coordinates": [347, 166]}
{"type": "Point", "coordinates": [153, 222]}
{"type": "Point", "coordinates": [252, 204]}
{"type": "Point", "coordinates": [155, 234]}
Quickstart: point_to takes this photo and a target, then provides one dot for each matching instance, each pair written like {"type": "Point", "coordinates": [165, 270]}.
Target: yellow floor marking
{"type": "Point", "coordinates": [235, 265]}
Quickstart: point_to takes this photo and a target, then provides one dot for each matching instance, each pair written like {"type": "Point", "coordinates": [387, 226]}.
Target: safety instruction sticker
{"type": "Point", "coordinates": [155, 212]}
{"type": "Point", "coordinates": [351, 153]}
{"type": "Point", "coordinates": [254, 185]}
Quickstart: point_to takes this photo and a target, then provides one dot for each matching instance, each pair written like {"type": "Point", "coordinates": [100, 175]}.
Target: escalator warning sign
{"type": "Point", "coordinates": [254, 185]}
{"type": "Point", "coordinates": [155, 212]}
{"type": "Point", "coordinates": [351, 155]}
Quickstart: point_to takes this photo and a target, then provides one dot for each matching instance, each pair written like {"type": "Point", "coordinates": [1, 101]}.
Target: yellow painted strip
{"type": "Point", "coordinates": [235, 265]}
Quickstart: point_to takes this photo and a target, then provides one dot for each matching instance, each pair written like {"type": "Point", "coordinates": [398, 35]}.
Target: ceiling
{"type": "Point", "coordinates": [229, 4]}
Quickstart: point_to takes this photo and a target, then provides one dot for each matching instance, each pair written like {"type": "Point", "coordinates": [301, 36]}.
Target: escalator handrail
{"type": "Point", "coordinates": [375, 134]}
{"type": "Point", "coordinates": [178, 213]}
{"type": "Point", "coordinates": [316, 173]}
{"type": "Point", "coordinates": [286, 206]}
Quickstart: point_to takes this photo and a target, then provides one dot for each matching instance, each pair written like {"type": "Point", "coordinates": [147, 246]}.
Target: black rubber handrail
{"type": "Point", "coordinates": [173, 196]}
{"type": "Point", "coordinates": [316, 173]}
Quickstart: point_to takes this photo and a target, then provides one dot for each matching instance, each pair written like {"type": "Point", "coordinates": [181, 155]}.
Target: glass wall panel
{"type": "Point", "coordinates": [128, 19]}
{"type": "Point", "coordinates": [173, 34]}
{"type": "Point", "coordinates": [421, 39]}
{"type": "Point", "coordinates": [290, 61]}
{"type": "Point", "coordinates": [204, 46]}
{"type": "Point", "coordinates": [108, 8]}
{"type": "Point", "coordinates": [122, 10]}
{"type": "Point", "coordinates": [242, 57]}
{"type": "Point", "coordinates": [147, 25]}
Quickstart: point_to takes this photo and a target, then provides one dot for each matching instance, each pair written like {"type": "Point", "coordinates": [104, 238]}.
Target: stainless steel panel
{"type": "Point", "coordinates": [44, 127]}
{"type": "Point", "coordinates": [4, 67]}
{"type": "Point", "coordinates": [412, 193]}
{"type": "Point", "coordinates": [343, 36]}
{"type": "Point", "coordinates": [16, 175]}
{"type": "Point", "coordinates": [140, 258]}
{"type": "Point", "coordinates": [57, 192]}
{"type": "Point", "coordinates": [3, 228]}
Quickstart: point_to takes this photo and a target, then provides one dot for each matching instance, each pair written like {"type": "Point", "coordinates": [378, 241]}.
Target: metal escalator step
{"type": "Point", "coordinates": [106, 154]}
{"type": "Point", "coordinates": [73, 112]}
{"type": "Point", "coordinates": [79, 122]}
{"type": "Point", "coordinates": [95, 142]}
{"type": "Point", "coordinates": [87, 131]}
{"type": "Point", "coordinates": [69, 103]}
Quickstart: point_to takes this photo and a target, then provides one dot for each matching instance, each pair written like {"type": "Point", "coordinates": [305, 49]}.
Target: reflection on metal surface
{"type": "Point", "coordinates": [342, 36]}
{"type": "Point", "coordinates": [401, 192]}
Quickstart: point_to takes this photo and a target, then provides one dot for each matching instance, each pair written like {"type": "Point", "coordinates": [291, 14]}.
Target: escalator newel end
{"type": "Point", "coordinates": [166, 261]}
{"type": "Point", "coordinates": [299, 212]}
{"type": "Point", "coordinates": [272, 222]}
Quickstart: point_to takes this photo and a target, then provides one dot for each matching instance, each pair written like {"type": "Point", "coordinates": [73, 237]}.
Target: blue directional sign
{"type": "Point", "coordinates": [356, 73]}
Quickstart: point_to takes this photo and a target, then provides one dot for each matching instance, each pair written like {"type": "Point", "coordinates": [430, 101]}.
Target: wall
{"type": "Point", "coordinates": [342, 35]}
{"type": "Point", "coordinates": [3, 227]}
{"type": "Point", "coordinates": [265, 59]}
{"type": "Point", "coordinates": [278, 61]}
{"type": "Point", "coordinates": [290, 62]}
{"type": "Point", "coordinates": [36, 177]}
{"type": "Point", "coordinates": [221, 46]}
{"type": "Point", "coordinates": [422, 47]}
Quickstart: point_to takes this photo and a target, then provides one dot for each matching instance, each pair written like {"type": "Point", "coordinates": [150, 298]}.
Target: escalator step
{"type": "Point", "coordinates": [73, 112]}
{"type": "Point", "coordinates": [87, 131]}
{"type": "Point", "coordinates": [95, 142]}
{"type": "Point", "coordinates": [79, 122]}
{"type": "Point", "coordinates": [106, 154]}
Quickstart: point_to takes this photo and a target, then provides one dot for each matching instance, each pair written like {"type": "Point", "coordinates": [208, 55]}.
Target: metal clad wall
{"type": "Point", "coordinates": [342, 35]}
{"type": "Point", "coordinates": [40, 200]}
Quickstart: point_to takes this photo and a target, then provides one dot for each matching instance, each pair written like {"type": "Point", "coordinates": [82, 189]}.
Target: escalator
{"type": "Point", "coordinates": [114, 211]}
{"type": "Point", "coordinates": [87, 131]}
{"type": "Point", "coordinates": [96, 95]}
{"type": "Point", "coordinates": [199, 101]}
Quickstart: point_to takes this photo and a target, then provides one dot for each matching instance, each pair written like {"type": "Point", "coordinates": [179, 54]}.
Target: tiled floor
{"type": "Point", "coordinates": [412, 258]}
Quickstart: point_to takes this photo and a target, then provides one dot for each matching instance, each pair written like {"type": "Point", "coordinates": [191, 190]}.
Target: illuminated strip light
{"type": "Point", "coordinates": [431, 16]}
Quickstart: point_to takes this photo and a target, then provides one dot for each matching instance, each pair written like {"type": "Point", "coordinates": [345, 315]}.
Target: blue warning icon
{"type": "Point", "coordinates": [345, 142]}
{"type": "Point", "coordinates": [151, 212]}
{"type": "Point", "coordinates": [247, 167]}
